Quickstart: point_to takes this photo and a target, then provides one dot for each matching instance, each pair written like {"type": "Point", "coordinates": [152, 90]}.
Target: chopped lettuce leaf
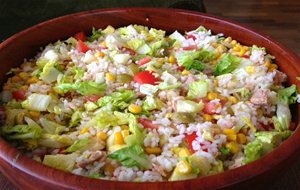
{"type": "Point", "coordinates": [78, 145]}
{"type": "Point", "coordinates": [152, 103]}
{"type": "Point", "coordinates": [54, 141]}
{"type": "Point", "coordinates": [75, 118]}
{"type": "Point", "coordinates": [95, 35]}
{"type": "Point", "coordinates": [177, 36]}
{"type": "Point", "coordinates": [227, 64]}
{"type": "Point", "coordinates": [288, 95]}
{"type": "Point", "coordinates": [284, 117]}
{"type": "Point", "coordinates": [135, 44]}
{"type": "Point", "coordinates": [148, 89]}
{"type": "Point", "coordinates": [198, 89]}
{"type": "Point", "coordinates": [51, 127]}
{"type": "Point", "coordinates": [49, 73]}
{"type": "Point", "coordinates": [194, 59]}
{"type": "Point", "coordinates": [84, 88]}
{"type": "Point", "coordinates": [37, 102]}
{"type": "Point", "coordinates": [118, 100]}
{"type": "Point", "coordinates": [188, 106]}
{"type": "Point", "coordinates": [105, 118]}
{"type": "Point", "coordinates": [65, 162]}
{"type": "Point", "coordinates": [132, 156]}
{"type": "Point", "coordinates": [253, 151]}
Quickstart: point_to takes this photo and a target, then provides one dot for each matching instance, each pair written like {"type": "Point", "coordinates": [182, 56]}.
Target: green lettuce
{"type": "Point", "coordinates": [84, 88]}
{"type": "Point", "coordinates": [105, 118]}
{"type": "Point", "coordinates": [188, 106]}
{"type": "Point", "coordinates": [132, 156]}
{"type": "Point", "coordinates": [198, 89]}
{"type": "Point", "coordinates": [78, 145]}
{"type": "Point", "coordinates": [65, 162]}
{"type": "Point", "coordinates": [75, 118]}
{"type": "Point", "coordinates": [37, 102]}
{"type": "Point", "coordinates": [194, 59]}
{"type": "Point", "coordinates": [152, 103]}
{"type": "Point", "coordinates": [288, 95]}
{"type": "Point", "coordinates": [51, 127]}
{"type": "Point", "coordinates": [118, 100]}
{"type": "Point", "coordinates": [49, 73]}
{"type": "Point", "coordinates": [227, 64]}
{"type": "Point", "coordinates": [95, 35]}
{"type": "Point", "coordinates": [54, 141]}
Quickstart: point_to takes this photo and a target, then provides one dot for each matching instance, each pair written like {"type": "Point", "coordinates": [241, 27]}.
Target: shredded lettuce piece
{"type": "Point", "coordinates": [118, 100]}
{"type": "Point", "coordinates": [54, 141]}
{"type": "Point", "coordinates": [194, 59]}
{"type": "Point", "coordinates": [75, 118]}
{"type": "Point", "coordinates": [65, 162]}
{"type": "Point", "coordinates": [227, 64]}
{"type": "Point", "coordinates": [288, 95]}
{"type": "Point", "coordinates": [189, 106]}
{"type": "Point", "coordinates": [105, 118]}
{"type": "Point", "coordinates": [49, 73]}
{"type": "Point", "coordinates": [253, 151]}
{"type": "Point", "coordinates": [37, 102]}
{"type": "Point", "coordinates": [78, 145]}
{"type": "Point", "coordinates": [198, 89]}
{"type": "Point", "coordinates": [132, 156]}
{"type": "Point", "coordinates": [84, 88]}
{"type": "Point", "coordinates": [95, 35]}
{"type": "Point", "coordinates": [51, 127]}
{"type": "Point", "coordinates": [152, 103]}
{"type": "Point", "coordinates": [177, 36]}
{"type": "Point", "coordinates": [283, 117]}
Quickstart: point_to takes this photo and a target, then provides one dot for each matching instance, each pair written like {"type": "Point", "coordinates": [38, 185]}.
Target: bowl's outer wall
{"type": "Point", "coordinates": [28, 174]}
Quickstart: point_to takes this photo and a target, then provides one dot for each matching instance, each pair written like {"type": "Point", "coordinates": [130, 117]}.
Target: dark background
{"type": "Point", "coordinates": [280, 19]}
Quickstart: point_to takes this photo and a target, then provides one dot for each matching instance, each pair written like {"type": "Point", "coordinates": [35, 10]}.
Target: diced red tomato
{"type": "Point", "coordinates": [144, 60]}
{"type": "Point", "coordinates": [82, 47]}
{"type": "Point", "coordinates": [210, 107]}
{"type": "Point", "coordinates": [92, 98]}
{"type": "Point", "coordinates": [292, 126]}
{"type": "Point", "coordinates": [189, 139]}
{"type": "Point", "coordinates": [145, 77]}
{"type": "Point", "coordinates": [191, 47]}
{"type": "Point", "coordinates": [180, 68]}
{"type": "Point", "coordinates": [190, 37]}
{"type": "Point", "coordinates": [130, 51]}
{"type": "Point", "coordinates": [19, 94]}
{"type": "Point", "coordinates": [267, 127]}
{"type": "Point", "coordinates": [80, 36]}
{"type": "Point", "coordinates": [147, 123]}
{"type": "Point", "coordinates": [246, 56]}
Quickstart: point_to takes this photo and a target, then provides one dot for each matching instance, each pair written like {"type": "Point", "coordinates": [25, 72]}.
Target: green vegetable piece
{"type": "Point", "coordinates": [49, 73]}
{"type": "Point", "coordinates": [37, 102]}
{"type": "Point", "coordinates": [198, 89]}
{"type": "Point", "coordinates": [61, 161]}
{"type": "Point", "coordinates": [78, 145]}
{"type": "Point", "coordinates": [224, 151]}
{"type": "Point", "coordinates": [84, 88]}
{"type": "Point", "coordinates": [253, 151]}
{"type": "Point", "coordinates": [51, 127]}
{"type": "Point", "coordinates": [189, 106]}
{"type": "Point", "coordinates": [182, 117]}
{"type": "Point", "coordinates": [132, 156]}
{"type": "Point", "coordinates": [227, 64]}
{"type": "Point", "coordinates": [95, 35]}
{"type": "Point", "coordinates": [54, 141]}
{"type": "Point", "coordinates": [124, 78]}
{"type": "Point", "coordinates": [75, 119]}
{"type": "Point", "coordinates": [118, 100]}
{"type": "Point", "coordinates": [288, 95]}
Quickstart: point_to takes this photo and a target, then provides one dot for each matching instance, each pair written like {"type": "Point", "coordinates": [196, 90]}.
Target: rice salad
{"type": "Point", "coordinates": [136, 104]}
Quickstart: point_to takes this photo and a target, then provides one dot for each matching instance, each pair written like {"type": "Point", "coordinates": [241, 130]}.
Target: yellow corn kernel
{"type": "Point", "coordinates": [125, 133]}
{"type": "Point", "coordinates": [237, 47]}
{"type": "Point", "coordinates": [231, 137]}
{"type": "Point", "coordinates": [267, 63]}
{"type": "Point", "coordinates": [214, 44]}
{"type": "Point", "coordinates": [32, 80]}
{"type": "Point", "coordinates": [260, 112]}
{"type": "Point", "coordinates": [241, 138]}
{"type": "Point", "coordinates": [34, 114]}
{"type": "Point", "coordinates": [185, 72]}
{"type": "Point", "coordinates": [172, 59]}
{"type": "Point", "coordinates": [83, 130]}
{"type": "Point", "coordinates": [103, 44]}
{"type": "Point", "coordinates": [272, 67]}
{"type": "Point", "coordinates": [119, 138]}
{"type": "Point", "coordinates": [221, 48]}
{"type": "Point", "coordinates": [228, 40]}
{"type": "Point", "coordinates": [184, 152]}
{"type": "Point", "coordinates": [229, 131]}
{"type": "Point", "coordinates": [124, 127]}
{"type": "Point", "coordinates": [250, 69]}
{"type": "Point", "coordinates": [23, 75]}
{"type": "Point", "coordinates": [108, 168]}
{"type": "Point", "coordinates": [153, 150]}
{"type": "Point", "coordinates": [135, 109]}
{"type": "Point", "coordinates": [212, 95]}
{"type": "Point", "coordinates": [242, 52]}
{"type": "Point", "coordinates": [101, 135]}
{"type": "Point", "coordinates": [176, 150]}
{"type": "Point", "coordinates": [184, 167]}
{"type": "Point", "coordinates": [207, 117]}
{"type": "Point", "coordinates": [15, 79]}
{"type": "Point", "coordinates": [232, 99]}
{"type": "Point", "coordinates": [110, 77]}
{"type": "Point", "coordinates": [168, 115]}
{"type": "Point", "coordinates": [99, 54]}
{"type": "Point", "coordinates": [233, 42]}
{"type": "Point", "coordinates": [233, 147]}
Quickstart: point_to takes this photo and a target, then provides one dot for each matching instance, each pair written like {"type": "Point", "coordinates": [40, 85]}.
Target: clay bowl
{"type": "Point", "coordinates": [28, 174]}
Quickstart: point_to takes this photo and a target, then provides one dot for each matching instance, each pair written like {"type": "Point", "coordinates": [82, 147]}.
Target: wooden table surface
{"type": "Point", "coordinates": [279, 19]}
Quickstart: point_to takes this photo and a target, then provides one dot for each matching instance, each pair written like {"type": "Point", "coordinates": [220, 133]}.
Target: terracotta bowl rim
{"type": "Point", "coordinates": [31, 167]}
